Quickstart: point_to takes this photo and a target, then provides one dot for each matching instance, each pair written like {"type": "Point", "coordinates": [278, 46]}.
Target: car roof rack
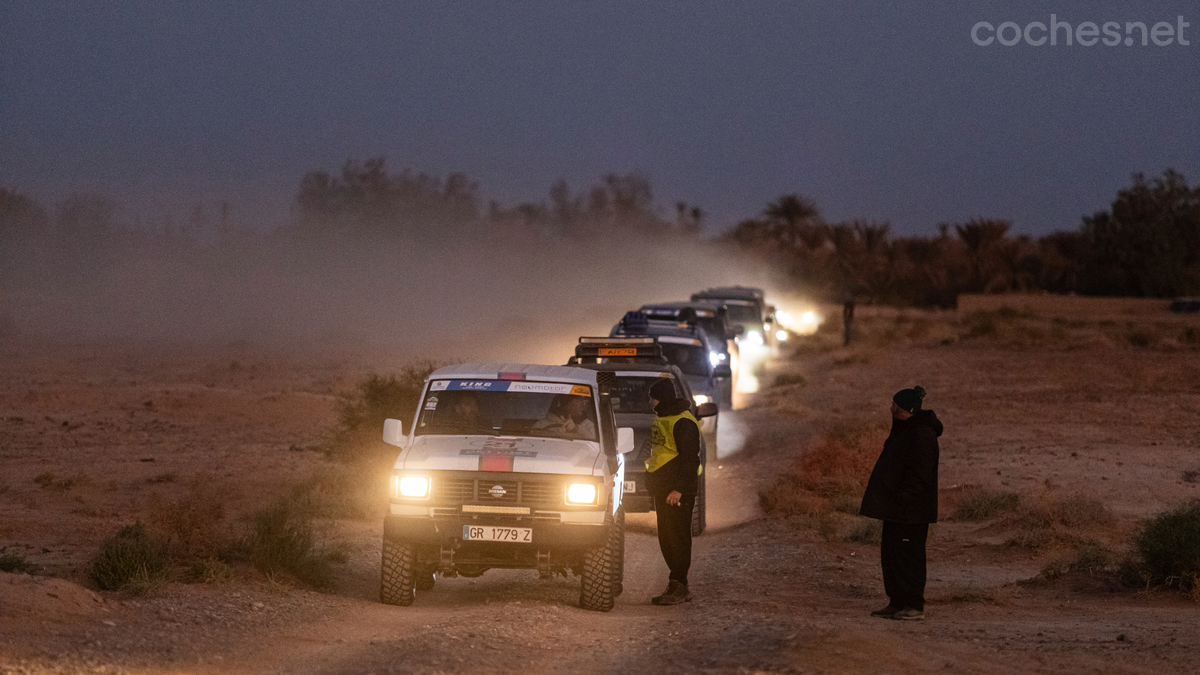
{"type": "Point", "coordinates": [641, 349]}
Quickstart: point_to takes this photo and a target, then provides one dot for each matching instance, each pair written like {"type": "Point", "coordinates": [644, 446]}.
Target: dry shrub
{"type": "Point", "coordinates": [1051, 521]}
{"type": "Point", "coordinates": [284, 540]}
{"type": "Point", "coordinates": [362, 411]}
{"type": "Point", "coordinates": [982, 324]}
{"type": "Point", "coordinates": [1140, 338]}
{"type": "Point", "coordinates": [983, 504]}
{"type": "Point", "coordinates": [830, 474]}
{"type": "Point", "coordinates": [1089, 558]}
{"type": "Point", "coordinates": [193, 525]}
{"type": "Point", "coordinates": [344, 491]}
{"type": "Point", "coordinates": [209, 571]}
{"type": "Point", "coordinates": [866, 531]}
{"type": "Point", "coordinates": [49, 481]}
{"type": "Point", "coordinates": [15, 563]}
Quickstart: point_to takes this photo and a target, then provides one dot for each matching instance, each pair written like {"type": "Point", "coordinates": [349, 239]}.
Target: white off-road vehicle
{"type": "Point", "coordinates": [507, 466]}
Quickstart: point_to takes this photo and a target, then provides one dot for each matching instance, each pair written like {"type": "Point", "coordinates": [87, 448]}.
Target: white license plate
{"type": "Point", "coordinates": [520, 535]}
{"type": "Point", "coordinates": [630, 486]}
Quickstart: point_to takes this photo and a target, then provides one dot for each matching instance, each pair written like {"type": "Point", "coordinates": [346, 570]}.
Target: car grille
{"type": "Point", "coordinates": [537, 492]}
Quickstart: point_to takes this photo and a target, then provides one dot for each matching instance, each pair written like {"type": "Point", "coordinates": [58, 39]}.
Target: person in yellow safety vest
{"type": "Point", "coordinates": [671, 473]}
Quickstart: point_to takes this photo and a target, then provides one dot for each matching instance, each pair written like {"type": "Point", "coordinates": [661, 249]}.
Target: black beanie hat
{"type": "Point", "coordinates": [909, 400]}
{"type": "Point", "coordinates": [662, 390]}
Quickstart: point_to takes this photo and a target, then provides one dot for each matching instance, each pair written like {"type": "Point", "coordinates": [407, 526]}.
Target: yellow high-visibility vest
{"type": "Point", "coordinates": [662, 441]}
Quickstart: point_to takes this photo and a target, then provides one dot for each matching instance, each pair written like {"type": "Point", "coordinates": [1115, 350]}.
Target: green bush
{"type": "Point", "coordinates": [1167, 549]}
{"type": "Point", "coordinates": [375, 398]}
{"type": "Point", "coordinates": [132, 558]}
{"type": "Point", "coordinates": [983, 504]}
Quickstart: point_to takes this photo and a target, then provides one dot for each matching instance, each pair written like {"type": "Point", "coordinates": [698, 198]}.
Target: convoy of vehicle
{"type": "Point", "coordinates": [628, 367]}
{"type": "Point", "coordinates": [520, 466]}
{"type": "Point", "coordinates": [689, 347]}
{"type": "Point", "coordinates": [722, 336]}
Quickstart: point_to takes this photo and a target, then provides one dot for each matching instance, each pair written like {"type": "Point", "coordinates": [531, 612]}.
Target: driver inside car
{"type": "Point", "coordinates": [568, 416]}
{"type": "Point", "coordinates": [466, 413]}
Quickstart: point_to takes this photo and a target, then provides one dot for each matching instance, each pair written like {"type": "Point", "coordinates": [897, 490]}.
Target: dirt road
{"type": "Point", "coordinates": [771, 595]}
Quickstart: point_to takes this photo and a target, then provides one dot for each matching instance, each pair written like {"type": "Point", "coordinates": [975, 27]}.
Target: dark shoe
{"type": "Point", "coordinates": [675, 594]}
{"type": "Point", "coordinates": [909, 615]}
{"type": "Point", "coordinates": [887, 612]}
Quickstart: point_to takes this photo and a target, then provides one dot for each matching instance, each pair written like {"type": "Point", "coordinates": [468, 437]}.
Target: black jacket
{"type": "Point", "coordinates": [679, 474]}
{"type": "Point", "coordinates": [904, 485]}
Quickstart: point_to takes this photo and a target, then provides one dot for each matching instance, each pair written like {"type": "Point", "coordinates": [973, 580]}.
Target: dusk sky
{"type": "Point", "coordinates": [889, 113]}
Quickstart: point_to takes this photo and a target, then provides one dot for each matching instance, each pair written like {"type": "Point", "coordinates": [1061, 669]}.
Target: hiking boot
{"type": "Point", "coordinates": [675, 594]}
{"type": "Point", "coordinates": [887, 612]}
{"type": "Point", "coordinates": [909, 614]}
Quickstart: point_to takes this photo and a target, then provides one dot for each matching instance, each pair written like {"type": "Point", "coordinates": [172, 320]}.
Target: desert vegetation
{"type": "Point", "coordinates": [1147, 244]}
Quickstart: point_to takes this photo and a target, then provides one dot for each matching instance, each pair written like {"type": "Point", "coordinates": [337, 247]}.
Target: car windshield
{"type": "Point", "coordinates": [744, 314]}
{"type": "Point", "coordinates": [713, 327]}
{"type": "Point", "coordinates": [691, 359]}
{"type": "Point", "coordinates": [631, 393]}
{"type": "Point", "coordinates": [508, 408]}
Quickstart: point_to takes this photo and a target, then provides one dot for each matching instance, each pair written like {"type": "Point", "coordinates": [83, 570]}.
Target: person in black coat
{"type": "Point", "coordinates": [671, 480]}
{"type": "Point", "coordinates": [903, 493]}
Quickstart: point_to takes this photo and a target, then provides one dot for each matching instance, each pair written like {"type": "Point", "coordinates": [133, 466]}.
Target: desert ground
{"type": "Point", "coordinates": [1100, 409]}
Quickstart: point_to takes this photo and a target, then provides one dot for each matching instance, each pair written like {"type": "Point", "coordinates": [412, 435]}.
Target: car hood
{"type": "Point", "coordinates": [529, 454]}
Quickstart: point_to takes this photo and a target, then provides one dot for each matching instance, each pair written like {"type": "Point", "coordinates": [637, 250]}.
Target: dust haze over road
{"type": "Point", "coordinates": [465, 295]}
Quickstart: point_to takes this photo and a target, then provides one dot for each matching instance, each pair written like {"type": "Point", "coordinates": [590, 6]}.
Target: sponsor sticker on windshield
{"type": "Point", "coordinates": [479, 385]}
{"type": "Point", "coordinates": [541, 387]}
{"type": "Point", "coordinates": [511, 385]}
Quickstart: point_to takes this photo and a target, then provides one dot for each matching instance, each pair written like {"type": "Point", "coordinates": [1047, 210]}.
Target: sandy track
{"type": "Point", "coordinates": [771, 596]}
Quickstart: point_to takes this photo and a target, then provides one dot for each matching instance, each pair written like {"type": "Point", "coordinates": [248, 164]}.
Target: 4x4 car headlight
{"type": "Point", "coordinates": [581, 493]}
{"type": "Point", "coordinates": [413, 487]}
{"type": "Point", "coordinates": [701, 399]}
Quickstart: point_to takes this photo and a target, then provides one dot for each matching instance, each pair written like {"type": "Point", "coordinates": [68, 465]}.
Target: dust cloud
{"type": "Point", "coordinates": [473, 295]}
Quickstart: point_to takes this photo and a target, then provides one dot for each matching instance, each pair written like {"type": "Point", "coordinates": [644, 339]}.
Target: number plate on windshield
{"type": "Point", "coordinates": [520, 535]}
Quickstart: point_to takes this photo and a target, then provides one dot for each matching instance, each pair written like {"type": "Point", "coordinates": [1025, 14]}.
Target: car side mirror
{"type": "Point", "coordinates": [722, 370]}
{"type": "Point", "coordinates": [706, 410]}
{"type": "Point", "coordinates": [624, 440]}
{"type": "Point", "coordinates": [393, 433]}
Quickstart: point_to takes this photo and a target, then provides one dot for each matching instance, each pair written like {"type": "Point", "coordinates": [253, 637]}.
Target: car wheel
{"type": "Point", "coordinates": [397, 571]}
{"type": "Point", "coordinates": [596, 581]}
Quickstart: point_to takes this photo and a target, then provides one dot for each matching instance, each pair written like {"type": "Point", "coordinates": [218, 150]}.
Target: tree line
{"type": "Point", "coordinates": [1146, 244]}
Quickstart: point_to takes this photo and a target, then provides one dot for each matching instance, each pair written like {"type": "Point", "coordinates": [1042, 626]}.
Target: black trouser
{"type": "Point", "coordinates": [902, 554]}
{"type": "Point", "coordinates": [675, 534]}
